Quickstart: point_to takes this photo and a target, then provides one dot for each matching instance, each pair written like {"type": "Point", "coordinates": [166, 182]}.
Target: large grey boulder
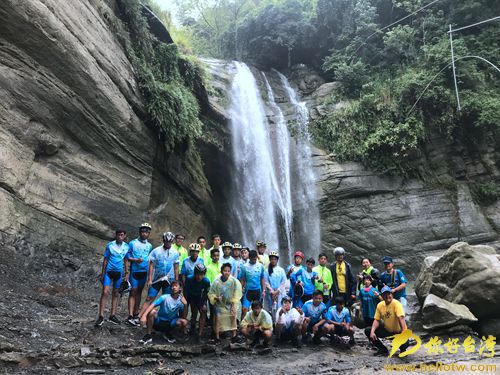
{"type": "Point", "coordinates": [439, 313]}
{"type": "Point", "coordinates": [464, 274]}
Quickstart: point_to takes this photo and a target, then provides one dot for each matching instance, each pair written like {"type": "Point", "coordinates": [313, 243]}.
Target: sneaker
{"type": "Point", "coordinates": [316, 340]}
{"type": "Point", "coordinates": [131, 320]}
{"type": "Point", "coordinates": [99, 321]}
{"type": "Point", "coordinates": [169, 338]}
{"type": "Point", "coordinates": [236, 340]}
{"type": "Point", "coordinates": [113, 319]}
{"type": "Point", "coordinates": [146, 339]}
{"type": "Point", "coordinates": [254, 343]}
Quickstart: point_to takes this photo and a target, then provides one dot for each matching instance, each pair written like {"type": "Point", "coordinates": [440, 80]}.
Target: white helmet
{"type": "Point", "coordinates": [339, 251]}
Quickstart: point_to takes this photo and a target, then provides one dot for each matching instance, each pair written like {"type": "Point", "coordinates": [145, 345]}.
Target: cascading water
{"type": "Point", "coordinates": [253, 195]}
{"type": "Point", "coordinates": [281, 153]}
{"type": "Point", "coordinates": [305, 196]}
{"type": "Point", "coordinates": [273, 189]}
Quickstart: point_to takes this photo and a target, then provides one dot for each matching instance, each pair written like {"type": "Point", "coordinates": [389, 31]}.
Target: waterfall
{"type": "Point", "coordinates": [281, 153]}
{"type": "Point", "coordinates": [305, 196]}
{"type": "Point", "coordinates": [254, 183]}
{"type": "Point", "coordinates": [273, 186]}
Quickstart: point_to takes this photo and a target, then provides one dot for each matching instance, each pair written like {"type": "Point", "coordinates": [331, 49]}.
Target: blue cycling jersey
{"type": "Point", "coordinates": [252, 273]}
{"type": "Point", "coordinates": [307, 278]}
{"type": "Point", "coordinates": [163, 261]}
{"type": "Point", "coordinates": [343, 316]}
{"type": "Point", "coordinates": [313, 312]}
{"type": "Point", "coordinates": [139, 249]}
{"type": "Point", "coordinates": [170, 308]}
{"type": "Point", "coordinates": [188, 265]}
{"type": "Point", "coordinates": [115, 254]}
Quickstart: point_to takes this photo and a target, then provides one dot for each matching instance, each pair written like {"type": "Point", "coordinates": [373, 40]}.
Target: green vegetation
{"type": "Point", "coordinates": [485, 193]}
{"type": "Point", "coordinates": [382, 72]}
{"type": "Point", "coordinates": [166, 80]}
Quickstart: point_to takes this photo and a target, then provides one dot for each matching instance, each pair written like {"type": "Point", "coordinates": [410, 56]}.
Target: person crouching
{"type": "Point", "coordinates": [168, 318]}
{"type": "Point", "coordinates": [257, 324]}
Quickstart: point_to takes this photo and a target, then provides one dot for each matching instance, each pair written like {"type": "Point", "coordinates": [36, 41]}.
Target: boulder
{"type": "Point", "coordinates": [464, 274]}
{"type": "Point", "coordinates": [439, 313]}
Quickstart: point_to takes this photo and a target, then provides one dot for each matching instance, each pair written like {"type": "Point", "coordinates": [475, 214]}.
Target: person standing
{"type": "Point", "coordinates": [238, 261]}
{"type": "Point", "coordinates": [204, 252]}
{"type": "Point", "coordinates": [292, 269]}
{"type": "Point", "coordinates": [369, 270]}
{"type": "Point", "coordinates": [324, 281]}
{"type": "Point", "coordinates": [196, 291]}
{"type": "Point", "coordinates": [344, 280]}
{"type": "Point", "coordinates": [111, 274]}
{"type": "Point", "coordinates": [369, 297]}
{"type": "Point", "coordinates": [252, 281]}
{"type": "Point", "coordinates": [227, 248]}
{"type": "Point", "coordinates": [396, 280]}
{"type": "Point", "coordinates": [137, 271]}
{"type": "Point", "coordinates": [306, 277]}
{"type": "Point", "coordinates": [162, 270]}
{"type": "Point", "coordinates": [261, 250]}
{"type": "Point", "coordinates": [179, 240]}
{"type": "Point", "coordinates": [225, 295]}
{"type": "Point", "coordinates": [190, 263]}
{"type": "Point", "coordinates": [275, 281]}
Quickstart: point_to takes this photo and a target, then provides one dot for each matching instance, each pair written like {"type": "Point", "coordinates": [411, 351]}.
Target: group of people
{"type": "Point", "coordinates": [231, 287]}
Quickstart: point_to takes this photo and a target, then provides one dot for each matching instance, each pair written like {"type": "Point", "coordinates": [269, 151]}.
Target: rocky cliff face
{"type": "Point", "coordinates": [372, 214]}
{"type": "Point", "coordinates": [76, 158]}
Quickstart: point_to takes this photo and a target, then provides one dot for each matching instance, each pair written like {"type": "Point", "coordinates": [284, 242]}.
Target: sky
{"type": "Point", "coordinates": [170, 6]}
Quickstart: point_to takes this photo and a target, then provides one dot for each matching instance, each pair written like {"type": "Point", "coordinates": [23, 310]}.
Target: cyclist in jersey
{"type": "Point", "coordinates": [196, 292]}
{"type": "Point", "coordinates": [190, 263]}
{"type": "Point", "coordinates": [313, 321]}
{"type": "Point", "coordinates": [325, 280]}
{"type": "Point", "coordinates": [177, 245]}
{"type": "Point", "coordinates": [306, 277]}
{"type": "Point", "coordinates": [137, 270]}
{"type": "Point", "coordinates": [111, 274]}
{"type": "Point", "coordinates": [213, 266]}
{"type": "Point", "coordinates": [338, 321]}
{"type": "Point", "coordinates": [168, 318]}
{"type": "Point", "coordinates": [261, 250]}
{"type": "Point", "coordinates": [252, 281]}
{"type": "Point", "coordinates": [369, 297]}
{"type": "Point", "coordinates": [368, 269]}
{"type": "Point", "coordinates": [227, 248]}
{"type": "Point", "coordinates": [275, 281]}
{"type": "Point", "coordinates": [237, 259]}
{"type": "Point", "coordinates": [298, 258]}
{"type": "Point", "coordinates": [245, 254]}
{"type": "Point", "coordinates": [204, 252]}
{"type": "Point", "coordinates": [163, 268]}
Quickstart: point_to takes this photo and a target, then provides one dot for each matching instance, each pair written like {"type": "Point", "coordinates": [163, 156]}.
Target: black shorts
{"type": "Point", "coordinates": [162, 326]}
{"type": "Point", "coordinates": [197, 301]}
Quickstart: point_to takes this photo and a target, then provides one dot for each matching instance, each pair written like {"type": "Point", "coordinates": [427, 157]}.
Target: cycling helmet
{"type": "Point", "coordinates": [145, 226]}
{"type": "Point", "coordinates": [298, 290]}
{"type": "Point", "coordinates": [168, 236]}
{"type": "Point", "coordinates": [194, 247]}
{"type": "Point", "coordinates": [274, 254]}
{"type": "Point", "coordinates": [237, 246]}
{"type": "Point", "coordinates": [125, 287]}
{"type": "Point", "coordinates": [227, 244]}
{"type": "Point", "coordinates": [339, 251]}
{"type": "Point", "coordinates": [200, 268]}
{"type": "Point", "coordinates": [260, 243]}
{"type": "Point", "coordinates": [299, 253]}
